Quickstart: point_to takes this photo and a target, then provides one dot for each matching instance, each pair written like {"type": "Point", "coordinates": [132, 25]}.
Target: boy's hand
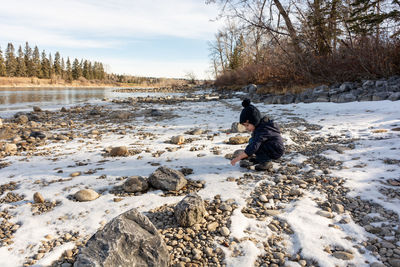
{"type": "Point", "coordinates": [239, 157]}
{"type": "Point", "coordinates": [234, 161]}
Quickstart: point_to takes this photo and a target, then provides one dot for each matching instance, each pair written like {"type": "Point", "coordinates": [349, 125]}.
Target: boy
{"type": "Point", "coordinates": [266, 141]}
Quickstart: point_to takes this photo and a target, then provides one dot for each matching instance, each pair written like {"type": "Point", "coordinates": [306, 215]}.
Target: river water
{"type": "Point", "coordinates": [13, 100]}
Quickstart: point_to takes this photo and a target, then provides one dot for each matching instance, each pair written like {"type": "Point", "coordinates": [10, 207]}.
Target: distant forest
{"type": "Point", "coordinates": [30, 62]}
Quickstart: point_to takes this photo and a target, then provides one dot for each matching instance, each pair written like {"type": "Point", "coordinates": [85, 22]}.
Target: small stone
{"type": "Point", "coordinates": [343, 255]}
{"type": "Point", "coordinates": [394, 262]}
{"type": "Point", "coordinates": [86, 195]}
{"type": "Point", "coordinates": [39, 256]}
{"type": "Point", "coordinates": [224, 231]}
{"type": "Point", "coordinates": [135, 184]}
{"type": "Point", "coordinates": [38, 198]}
{"type": "Point", "coordinates": [263, 198]}
{"type": "Point", "coordinates": [119, 151]}
{"type": "Point", "coordinates": [211, 227]}
{"type": "Point", "coordinates": [178, 140]}
{"type": "Point", "coordinates": [48, 237]}
{"type": "Point", "coordinates": [338, 208]}
{"type": "Point", "coordinates": [74, 174]}
{"type": "Point", "coordinates": [37, 109]}
{"type": "Point", "coordinates": [238, 140]}
{"type": "Point", "coordinates": [325, 214]}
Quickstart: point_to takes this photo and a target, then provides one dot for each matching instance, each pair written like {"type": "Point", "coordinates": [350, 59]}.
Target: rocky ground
{"type": "Point", "coordinates": [78, 161]}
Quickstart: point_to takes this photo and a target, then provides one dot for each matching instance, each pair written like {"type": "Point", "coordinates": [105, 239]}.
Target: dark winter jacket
{"type": "Point", "coordinates": [266, 139]}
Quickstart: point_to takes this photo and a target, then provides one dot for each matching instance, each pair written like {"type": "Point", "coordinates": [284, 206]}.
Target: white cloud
{"type": "Point", "coordinates": [123, 18]}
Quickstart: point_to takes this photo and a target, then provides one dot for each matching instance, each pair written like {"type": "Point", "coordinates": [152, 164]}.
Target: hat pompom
{"type": "Point", "coordinates": [246, 103]}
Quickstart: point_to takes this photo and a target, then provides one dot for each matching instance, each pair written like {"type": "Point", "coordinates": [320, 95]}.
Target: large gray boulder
{"type": "Point", "coordinates": [380, 96]}
{"type": "Point", "coordinates": [167, 179]}
{"type": "Point", "coordinates": [190, 210]}
{"type": "Point", "coordinates": [129, 239]}
{"type": "Point", "coordinates": [394, 96]}
{"type": "Point", "coordinates": [344, 98]}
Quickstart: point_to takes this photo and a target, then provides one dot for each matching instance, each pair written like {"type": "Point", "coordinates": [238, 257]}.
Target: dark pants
{"type": "Point", "coordinates": [260, 155]}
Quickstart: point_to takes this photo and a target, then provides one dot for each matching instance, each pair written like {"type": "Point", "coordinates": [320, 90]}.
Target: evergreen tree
{"type": "Point", "coordinates": [2, 65]}
{"type": "Point", "coordinates": [45, 66]}
{"type": "Point", "coordinates": [86, 71]}
{"type": "Point", "coordinates": [51, 66]}
{"type": "Point", "coordinates": [68, 71]}
{"type": "Point", "coordinates": [76, 69]}
{"type": "Point", "coordinates": [21, 67]}
{"type": "Point", "coordinates": [11, 61]}
{"type": "Point", "coordinates": [28, 61]}
{"type": "Point", "coordinates": [57, 64]}
{"type": "Point", "coordinates": [36, 62]}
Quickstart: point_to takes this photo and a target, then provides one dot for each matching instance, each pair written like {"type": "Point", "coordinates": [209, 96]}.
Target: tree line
{"type": "Point", "coordinates": [289, 42]}
{"type": "Point", "coordinates": [30, 62]}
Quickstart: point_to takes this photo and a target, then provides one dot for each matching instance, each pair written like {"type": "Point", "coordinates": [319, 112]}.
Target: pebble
{"type": "Point", "coordinates": [74, 174]}
{"type": "Point", "coordinates": [343, 255]}
{"type": "Point", "coordinates": [86, 195]}
{"type": "Point", "coordinates": [38, 198]}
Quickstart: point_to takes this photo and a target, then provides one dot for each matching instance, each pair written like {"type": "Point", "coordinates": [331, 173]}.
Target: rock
{"type": "Point", "coordinates": [338, 208]}
{"type": "Point", "coordinates": [196, 131]}
{"type": "Point", "coordinates": [211, 227]}
{"type": "Point", "coordinates": [122, 115]}
{"type": "Point", "coordinates": [6, 133]}
{"type": "Point", "coordinates": [9, 148]}
{"type": "Point", "coordinates": [130, 239]}
{"type": "Point", "coordinates": [63, 109]}
{"type": "Point", "coordinates": [38, 135]}
{"type": "Point", "coordinates": [167, 179]}
{"type": "Point", "coordinates": [86, 195]}
{"type": "Point", "coordinates": [74, 174]}
{"type": "Point", "coordinates": [224, 231]}
{"type": "Point", "coordinates": [377, 264]}
{"type": "Point", "coordinates": [344, 98]}
{"type": "Point", "coordinates": [238, 140]}
{"type": "Point", "coordinates": [119, 151]}
{"type": "Point", "coordinates": [238, 128]}
{"type": "Point", "coordinates": [343, 255]}
{"type": "Point", "coordinates": [178, 140]}
{"type": "Point", "coordinates": [394, 262]}
{"type": "Point", "coordinates": [251, 89]}
{"type": "Point", "coordinates": [386, 244]}
{"type": "Point", "coordinates": [380, 96]}
{"type": "Point", "coordinates": [38, 198]}
{"type": "Point", "coordinates": [325, 214]}
{"type": "Point", "coordinates": [295, 192]}
{"type": "Point", "coordinates": [22, 119]}
{"type": "Point", "coordinates": [155, 113]}
{"type": "Point", "coordinates": [135, 184]}
{"type": "Point", "coordinates": [37, 109]}
{"type": "Point", "coordinates": [368, 84]}
{"type": "Point", "coordinates": [263, 198]}
{"type": "Point", "coordinates": [394, 96]}
{"type": "Point", "coordinates": [1, 122]}
{"type": "Point", "coordinates": [190, 210]}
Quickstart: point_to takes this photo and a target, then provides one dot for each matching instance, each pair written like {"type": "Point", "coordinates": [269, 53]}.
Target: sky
{"type": "Point", "coordinates": [153, 38]}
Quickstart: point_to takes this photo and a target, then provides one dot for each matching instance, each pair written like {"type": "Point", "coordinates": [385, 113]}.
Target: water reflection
{"type": "Point", "coordinates": [12, 99]}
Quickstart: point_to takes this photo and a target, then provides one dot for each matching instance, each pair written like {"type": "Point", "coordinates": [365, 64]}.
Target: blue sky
{"type": "Point", "coordinates": [158, 38]}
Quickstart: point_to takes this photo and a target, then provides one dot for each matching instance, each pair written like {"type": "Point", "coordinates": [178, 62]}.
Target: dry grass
{"type": "Point", "coordinates": [54, 82]}
{"type": "Point", "coordinates": [380, 131]}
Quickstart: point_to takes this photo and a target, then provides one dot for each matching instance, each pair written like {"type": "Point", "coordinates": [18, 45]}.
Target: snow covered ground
{"type": "Point", "coordinates": [365, 169]}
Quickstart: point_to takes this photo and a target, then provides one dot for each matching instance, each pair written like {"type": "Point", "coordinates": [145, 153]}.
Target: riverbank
{"type": "Point", "coordinates": [327, 202]}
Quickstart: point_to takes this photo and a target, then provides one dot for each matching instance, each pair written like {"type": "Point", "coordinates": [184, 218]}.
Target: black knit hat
{"type": "Point", "coordinates": [250, 113]}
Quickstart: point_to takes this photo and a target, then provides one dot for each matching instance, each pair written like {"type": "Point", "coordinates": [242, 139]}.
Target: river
{"type": "Point", "coordinates": [13, 100]}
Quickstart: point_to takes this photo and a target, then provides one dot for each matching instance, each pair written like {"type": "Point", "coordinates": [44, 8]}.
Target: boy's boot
{"type": "Point", "coordinates": [244, 163]}
{"type": "Point", "coordinates": [265, 166]}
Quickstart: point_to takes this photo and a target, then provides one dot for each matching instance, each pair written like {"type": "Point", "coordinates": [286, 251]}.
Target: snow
{"type": "Point", "coordinates": [312, 232]}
